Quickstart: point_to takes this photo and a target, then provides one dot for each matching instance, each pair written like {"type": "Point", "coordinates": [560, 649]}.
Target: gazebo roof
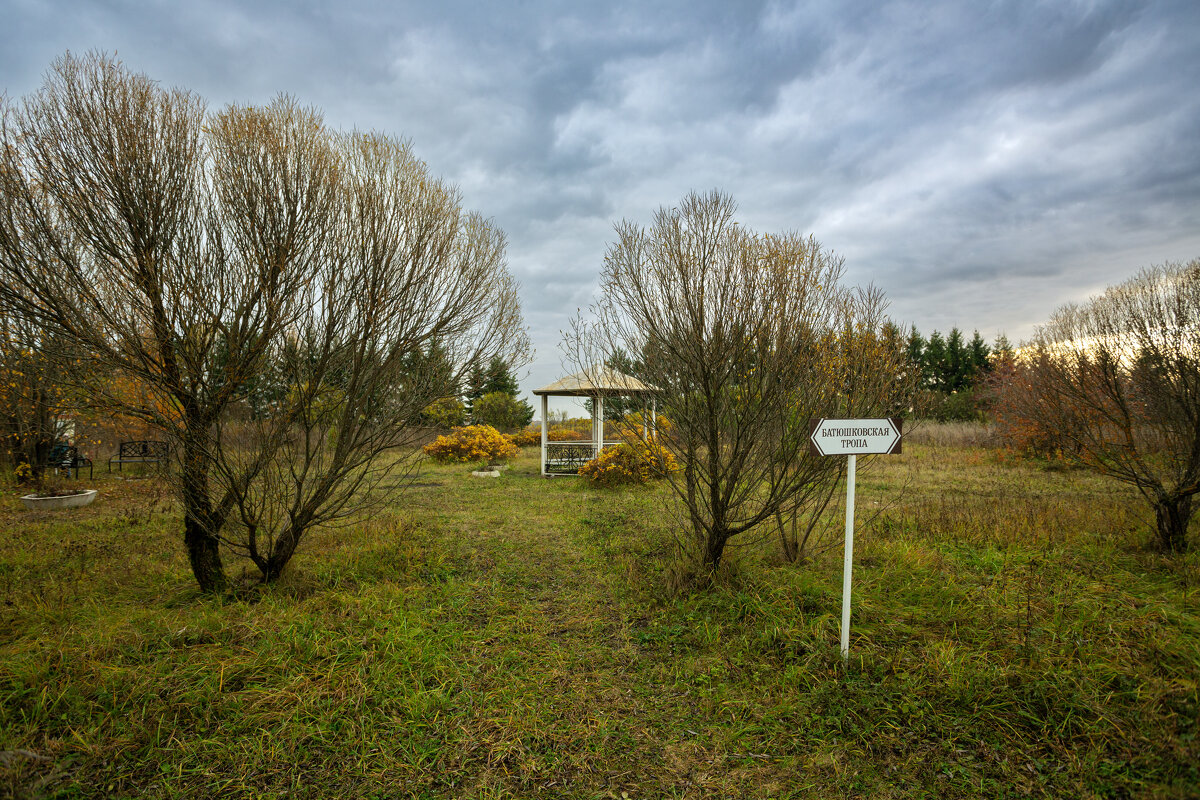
{"type": "Point", "coordinates": [593, 381]}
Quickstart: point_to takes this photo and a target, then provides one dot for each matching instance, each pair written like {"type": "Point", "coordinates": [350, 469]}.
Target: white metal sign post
{"type": "Point", "coordinates": [851, 438]}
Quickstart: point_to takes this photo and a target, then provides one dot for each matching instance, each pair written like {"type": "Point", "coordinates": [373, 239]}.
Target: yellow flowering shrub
{"type": "Point", "coordinates": [23, 473]}
{"type": "Point", "coordinates": [631, 426]}
{"type": "Point", "coordinates": [637, 462]}
{"type": "Point", "coordinates": [472, 443]}
{"type": "Point", "coordinates": [573, 429]}
{"type": "Point", "coordinates": [528, 437]}
{"type": "Point", "coordinates": [532, 436]}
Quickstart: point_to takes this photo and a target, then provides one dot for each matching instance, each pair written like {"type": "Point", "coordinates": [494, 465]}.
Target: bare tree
{"type": "Point", "coordinates": [1116, 381]}
{"type": "Point", "coordinates": [267, 279]}
{"type": "Point", "coordinates": [743, 339]}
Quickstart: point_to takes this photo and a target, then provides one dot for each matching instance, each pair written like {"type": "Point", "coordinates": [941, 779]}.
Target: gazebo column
{"type": "Point", "coordinates": [598, 423]}
{"type": "Point", "coordinates": [545, 413]}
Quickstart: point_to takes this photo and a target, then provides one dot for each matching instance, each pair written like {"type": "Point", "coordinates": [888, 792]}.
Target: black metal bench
{"type": "Point", "coordinates": [65, 457]}
{"type": "Point", "coordinates": [141, 452]}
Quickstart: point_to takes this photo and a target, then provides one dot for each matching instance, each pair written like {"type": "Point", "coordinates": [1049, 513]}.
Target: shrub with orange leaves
{"type": "Point", "coordinates": [34, 400]}
{"type": "Point", "coordinates": [121, 407]}
{"type": "Point", "coordinates": [1006, 390]}
{"type": "Point", "coordinates": [472, 443]}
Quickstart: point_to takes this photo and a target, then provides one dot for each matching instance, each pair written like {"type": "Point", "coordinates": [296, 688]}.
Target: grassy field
{"type": "Point", "coordinates": [517, 637]}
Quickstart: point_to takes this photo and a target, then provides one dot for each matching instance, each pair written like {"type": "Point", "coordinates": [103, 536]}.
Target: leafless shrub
{"type": "Point", "coordinates": [1116, 381]}
{"type": "Point", "coordinates": [744, 338]}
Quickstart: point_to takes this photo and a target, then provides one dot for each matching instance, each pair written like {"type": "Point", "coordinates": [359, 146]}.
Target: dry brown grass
{"type": "Point", "coordinates": [949, 434]}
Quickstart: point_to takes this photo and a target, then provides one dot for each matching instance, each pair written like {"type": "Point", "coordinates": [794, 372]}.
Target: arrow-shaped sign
{"type": "Point", "coordinates": [846, 437]}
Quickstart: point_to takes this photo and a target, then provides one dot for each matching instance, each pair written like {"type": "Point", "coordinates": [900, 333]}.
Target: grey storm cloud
{"type": "Point", "coordinates": [981, 162]}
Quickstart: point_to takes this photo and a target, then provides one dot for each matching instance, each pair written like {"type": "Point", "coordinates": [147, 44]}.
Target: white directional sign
{"type": "Point", "coordinates": [845, 437]}
{"type": "Point", "coordinates": [853, 438]}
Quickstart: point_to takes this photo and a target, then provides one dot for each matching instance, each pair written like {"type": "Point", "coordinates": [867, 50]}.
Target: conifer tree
{"type": "Point", "coordinates": [956, 374]}
{"type": "Point", "coordinates": [499, 378]}
{"type": "Point", "coordinates": [935, 362]}
{"type": "Point", "coordinates": [979, 354]}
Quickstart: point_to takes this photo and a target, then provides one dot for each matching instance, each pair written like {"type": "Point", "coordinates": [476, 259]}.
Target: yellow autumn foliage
{"type": "Point", "coordinates": [472, 443]}
{"type": "Point", "coordinates": [629, 463]}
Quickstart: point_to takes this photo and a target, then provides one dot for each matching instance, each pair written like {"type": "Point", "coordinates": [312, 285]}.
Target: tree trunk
{"type": "Point", "coordinates": [787, 539]}
{"type": "Point", "coordinates": [1172, 515]}
{"type": "Point", "coordinates": [715, 548]}
{"type": "Point", "coordinates": [200, 523]}
{"type": "Point", "coordinates": [281, 554]}
{"type": "Point", "coordinates": [204, 554]}
{"type": "Point", "coordinates": [36, 453]}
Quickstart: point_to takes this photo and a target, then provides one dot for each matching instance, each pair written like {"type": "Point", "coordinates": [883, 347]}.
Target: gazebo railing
{"type": "Point", "coordinates": [565, 458]}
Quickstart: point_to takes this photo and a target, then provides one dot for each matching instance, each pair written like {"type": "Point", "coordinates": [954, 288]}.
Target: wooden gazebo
{"type": "Point", "coordinates": [565, 458]}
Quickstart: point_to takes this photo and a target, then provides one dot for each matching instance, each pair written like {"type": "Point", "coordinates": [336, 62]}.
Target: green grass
{"type": "Point", "coordinates": [517, 638]}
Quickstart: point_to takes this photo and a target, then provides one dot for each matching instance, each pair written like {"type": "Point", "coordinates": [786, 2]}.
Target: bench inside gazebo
{"type": "Point", "coordinates": [565, 458]}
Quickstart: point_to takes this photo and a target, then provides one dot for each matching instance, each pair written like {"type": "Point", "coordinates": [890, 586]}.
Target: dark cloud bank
{"type": "Point", "coordinates": [983, 163]}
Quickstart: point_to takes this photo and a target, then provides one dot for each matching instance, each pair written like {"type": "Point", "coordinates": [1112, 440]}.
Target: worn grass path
{"type": "Point", "coordinates": [554, 623]}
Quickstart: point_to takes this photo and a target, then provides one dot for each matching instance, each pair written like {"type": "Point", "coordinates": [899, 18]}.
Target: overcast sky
{"type": "Point", "coordinates": [983, 163]}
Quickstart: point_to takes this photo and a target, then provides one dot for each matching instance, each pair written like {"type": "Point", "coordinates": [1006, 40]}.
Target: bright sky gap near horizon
{"type": "Point", "coordinates": [983, 163]}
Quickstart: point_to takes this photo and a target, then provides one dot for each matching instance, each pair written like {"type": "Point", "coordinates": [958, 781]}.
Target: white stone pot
{"type": "Point", "coordinates": [35, 503]}
{"type": "Point", "coordinates": [486, 473]}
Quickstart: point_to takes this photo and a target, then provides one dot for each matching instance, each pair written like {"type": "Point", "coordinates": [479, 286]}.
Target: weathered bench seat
{"type": "Point", "coordinates": [141, 452]}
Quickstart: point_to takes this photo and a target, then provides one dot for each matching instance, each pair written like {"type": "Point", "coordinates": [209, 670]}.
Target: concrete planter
{"type": "Point", "coordinates": [35, 503]}
{"type": "Point", "coordinates": [486, 473]}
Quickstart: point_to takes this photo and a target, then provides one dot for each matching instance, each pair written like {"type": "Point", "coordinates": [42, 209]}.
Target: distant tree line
{"type": "Point", "coordinates": [950, 368]}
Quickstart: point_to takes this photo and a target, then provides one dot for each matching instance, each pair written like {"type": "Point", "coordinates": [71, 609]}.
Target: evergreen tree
{"type": "Point", "coordinates": [476, 380]}
{"type": "Point", "coordinates": [1002, 347]}
{"type": "Point", "coordinates": [916, 352]}
{"type": "Point", "coordinates": [979, 355]}
{"type": "Point", "coordinates": [432, 369]}
{"type": "Point", "coordinates": [934, 361]}
{"type": "Point", "coordinates": [892, 335]}
{"type": "Point", "coordinates": [950, 366]}
{"type": "Point", "coordinates": [499, 378]}
{"type": "Point", "coordinates": [957, 371]}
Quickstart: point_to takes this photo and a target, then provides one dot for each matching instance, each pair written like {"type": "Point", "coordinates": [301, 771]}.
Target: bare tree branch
{"type": "Point", "coordinates": [289, 297]}
{"type": "Point", "coordinates": [744, 337]}
{"type": "Point", "coordinates": [1117, 380]}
